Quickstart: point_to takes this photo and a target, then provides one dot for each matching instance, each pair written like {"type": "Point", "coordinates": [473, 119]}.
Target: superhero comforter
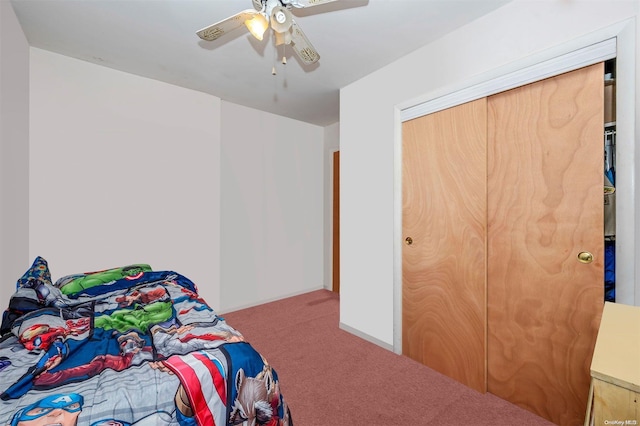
{"type": "Point", "coordinates": [127, 346]}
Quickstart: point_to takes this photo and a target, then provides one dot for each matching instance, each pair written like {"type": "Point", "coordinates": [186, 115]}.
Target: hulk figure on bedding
{"type": "Point", "coordinates": [140, 318]}
{"type": "Point", "coordinates": [76, 283]}
{"type": "Point", "coordinates": [139, 309]}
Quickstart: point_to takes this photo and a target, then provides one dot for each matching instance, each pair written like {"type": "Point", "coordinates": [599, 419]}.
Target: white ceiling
{"type": "Point", "coordinates": [157, 39]}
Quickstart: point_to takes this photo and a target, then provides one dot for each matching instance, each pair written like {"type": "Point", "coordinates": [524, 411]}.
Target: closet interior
{"type": "Point", "coordinates": [610, 180]}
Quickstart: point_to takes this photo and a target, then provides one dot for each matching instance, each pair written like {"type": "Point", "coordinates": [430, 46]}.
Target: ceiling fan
{"type": "Point", "coordinates": [274, 13]}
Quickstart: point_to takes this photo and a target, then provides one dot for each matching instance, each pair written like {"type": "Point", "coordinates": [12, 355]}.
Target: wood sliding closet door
{"type": "Point", "coordinates": [500, 195]}
{"type": "Point", "coordinates": [443, 260]}
{"type": "Point", "coordinates": [545, 205]}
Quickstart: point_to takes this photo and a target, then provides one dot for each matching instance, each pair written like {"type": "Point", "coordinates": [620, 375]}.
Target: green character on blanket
{"type": "Point", "coordinates": [140, 318]}
{"type": "Point", "coordinates": [141, 309]}
{"type": "Point", "coordinates": [76, 283]}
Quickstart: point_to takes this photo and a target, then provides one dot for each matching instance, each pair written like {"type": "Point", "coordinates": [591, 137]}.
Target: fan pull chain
{"type": "Point", "coordinates": [273, 69]}
{"type": "Point", "coordinates": [284, 58]}
{"type": "Point", "coordinates": [275, 57]}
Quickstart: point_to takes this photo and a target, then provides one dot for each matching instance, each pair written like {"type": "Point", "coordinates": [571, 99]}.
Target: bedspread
{"type": "Point", "coordinates": [128, 346]}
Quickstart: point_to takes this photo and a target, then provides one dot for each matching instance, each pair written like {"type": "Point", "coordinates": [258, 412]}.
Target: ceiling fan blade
{"type": "Point", "coordinates": [306, 3]}
{"type": "Point", "coordinates": [215, 31]}
{"type": "Point", "coordinates": [257, 4]}
{"type": "Point", "coordinates": [302, 46]}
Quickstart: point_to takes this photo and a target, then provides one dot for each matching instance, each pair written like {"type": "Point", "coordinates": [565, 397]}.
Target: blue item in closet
{"type": "Point", "coordinates": [610, 271]}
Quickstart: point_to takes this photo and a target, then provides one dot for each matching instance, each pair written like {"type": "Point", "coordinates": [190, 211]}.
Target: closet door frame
{"type": "Point", "coordinates": [616, 41]}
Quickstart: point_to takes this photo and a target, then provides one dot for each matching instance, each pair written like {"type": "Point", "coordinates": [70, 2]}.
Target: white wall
{"type": "Point", "coordinates": [369, 134]}
{"type": "Point", "coordinates": [123, 169]}
{"type": "Point", "coordinates": [271, 207]}
{"type": "Point", "coordinates": [14, 152]}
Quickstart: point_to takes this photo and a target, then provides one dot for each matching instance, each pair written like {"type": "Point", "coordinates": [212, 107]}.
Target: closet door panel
{"type": "Point", "coordinates": [544, 206]}
{"type": "Point", "coordinates": [444, 215]}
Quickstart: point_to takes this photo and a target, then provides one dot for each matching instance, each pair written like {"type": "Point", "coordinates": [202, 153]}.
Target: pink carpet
{"type": "Point", "coordinates": [330, 377]}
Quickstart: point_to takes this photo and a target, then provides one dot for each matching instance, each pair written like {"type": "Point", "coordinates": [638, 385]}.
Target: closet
{"type": "Point", "coordinates": [503, 228]}
{"type": "Point", "coordinates": [610, 181]}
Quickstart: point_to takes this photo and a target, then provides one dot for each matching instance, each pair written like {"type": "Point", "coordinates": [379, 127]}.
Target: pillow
{"type": "Point", "coordinates": [39, 271]}
{"type": "Point", "coordinates": [76, 283]}
{"type": "Point", "coordinates": [33, 291]}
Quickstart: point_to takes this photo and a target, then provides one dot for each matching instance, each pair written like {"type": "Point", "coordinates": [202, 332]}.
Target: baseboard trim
{"type": "Point", "coordinates": [268, 300]}
{"type": "Point", "coordinates": [365, 336]}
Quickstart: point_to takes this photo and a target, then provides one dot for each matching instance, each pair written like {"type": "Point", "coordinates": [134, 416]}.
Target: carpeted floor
{"type": "Point", "coordinates": [332, 378]}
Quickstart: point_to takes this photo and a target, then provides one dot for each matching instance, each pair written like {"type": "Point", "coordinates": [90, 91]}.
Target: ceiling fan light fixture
{"type": "Point", "coordinates": [283, 38]}
{"type": "Point", "coordinates": [281, 19]}
{"type": "Point", "coordinates": [274, 13]}
{"type": "Point", "coordinates": [257, 25]}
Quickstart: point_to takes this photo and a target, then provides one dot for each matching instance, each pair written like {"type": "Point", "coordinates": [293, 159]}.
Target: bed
{"type": "Point", "coordinates": [128, 346]}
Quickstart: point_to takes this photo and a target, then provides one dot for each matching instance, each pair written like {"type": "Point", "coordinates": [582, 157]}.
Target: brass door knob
{"type": "Point", "coordinates": [585, 257]}
{"type": "Point", "coordinates": [408, 241]}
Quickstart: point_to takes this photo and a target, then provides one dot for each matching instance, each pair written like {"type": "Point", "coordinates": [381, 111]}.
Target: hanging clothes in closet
{"type": "Point", "coordinates": [609, 217]}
